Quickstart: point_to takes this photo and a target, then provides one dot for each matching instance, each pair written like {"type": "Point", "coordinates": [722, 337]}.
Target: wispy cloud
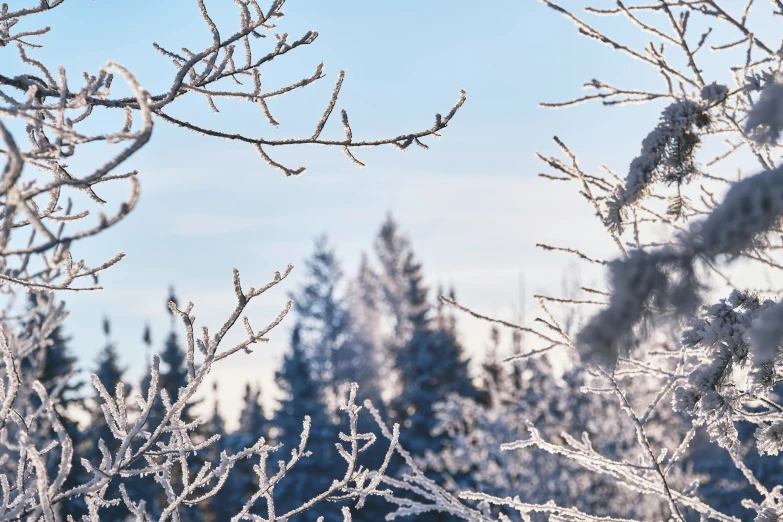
{"type": "Point", "coordinates": [209, 224]}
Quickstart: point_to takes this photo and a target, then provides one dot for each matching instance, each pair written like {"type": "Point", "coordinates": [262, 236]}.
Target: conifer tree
{"type": "Point", "coordinates": [430, 367]}
{"type": "Point", "coordinates": [365, 303]}
{"type": "Point", "coordinates": [108, 368]}
{"type": "Point", "coordinates": [323, 317]}
{"type": "Point", "coordinates": [364, 298]}
{"type": "Point", "coordinates": [239, 485]}
{"type": "Point", "coordinates": [173, 372]}
{"type": "Point", "coordinates": [54, 365]}
{"type": "Point", "coordinates": [217, 507]}
{"type": "Point", "coordinates": [493, 375]}
{"type": "Point", "coordinates": [252, 420]}
{"type": "Point", "coordinates": [110, 373]}
{"type": "Point", "coordinates": [301, 390]}
{"type": "Point", "coordinates": [303, 398]}
{"type": "Point", "coordinates": [394, 254]}
{"type": "Point", "coordinates": [339, 349]}
{"type": "Point", "coordinates": [427, 354]}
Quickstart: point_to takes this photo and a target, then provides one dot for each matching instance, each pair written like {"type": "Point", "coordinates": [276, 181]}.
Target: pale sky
{"type": "Point", "coordinates": [472, 204]}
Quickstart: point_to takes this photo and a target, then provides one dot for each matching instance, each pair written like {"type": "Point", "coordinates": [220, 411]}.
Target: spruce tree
{"type": "Point", "coordinates": [431, 367]}
{"type": "Point", "coordinates": [493, 375]}
{"type": "Point", "coordinates": [55, 362]}
{"type": "Point", "coordinates": [54, 365]}
{"type": "Point", "coordinates": [371, 366]}
{"type": "Point", "coordinates": [303, 397]}
{"type": "Point", "coordinates": [339, 349]}
{"type": "Point", "coordinates": [365, 303]}
{"type": "Point", "coordinates": [427, 355]}
{"type": "Point", "coordinates": [323, 317]}
{"type": "Point", "coordinates": [173, 371]}
{"type": "Point", "coordinates": [110, 372]}
{"type": "Point", "coordinates": [108, 368]}
{"type": "Point", "coordinates": [252, 420]}
{"type": "Point", "coordinates": [217, 507]}
{"type": "Point", "coordinates": [302, 393]}
{"type": "Point", "coordinates": [243, 482]}
{"type": "Point", "coordinates": [393, 251]}
{"type": "Point", "coordinates": [239, 484]}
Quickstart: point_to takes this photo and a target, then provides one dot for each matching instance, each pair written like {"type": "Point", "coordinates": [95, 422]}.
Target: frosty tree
{"type": "Point", "coordinates": [687, 340]}
{"type": "Point", "coordinates": [46, 121]}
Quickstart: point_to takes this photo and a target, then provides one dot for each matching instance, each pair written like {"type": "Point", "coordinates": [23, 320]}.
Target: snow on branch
{"type": "Point", "coordinates": [161, 452]}
{"type": "Point", "coordinates": [680, 363]}
{"type": "Point", "coordinates": [46, 121]}
{"type": "Point", "coordinates": [57, 110]}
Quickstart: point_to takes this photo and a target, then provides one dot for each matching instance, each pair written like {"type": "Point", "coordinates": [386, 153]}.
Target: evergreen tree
{"type": "Point", "coordinates": [431, 367]}
{"type": "Point", "coordinates": [493, 376]}
{"type": "Point", "coordinates": [173, 371]}
{"type": "Point", "coordinates": [371, 366]}
{"type": "Point", "coordinates": [427, 354]}
{"type": "Point", "coordinates": [302, 392]}
{"type": "Point", "coordinates": [54, 365]}
{"type": "Point", "coordinates": [252, 420]}
{"type": "Point", "coordinates": [110, 372]}
{"type": "Point", "coordinates": [172, 377]}
{"type": "Point", "coordinates": [60, 363]}
{"type": "Point", "coordinates": [218, 507]}
{"type": "Point", "coordinates": [175, 375]}
{"type": "Point", "coordinates": [339, 349]}
{"type": "Point", "coordinates": [365, 304]}
{"type": "Point", "coordinates": [323, 317]}
{"type": "Point", "coordinates": [54, 362]}
{"type": "Point", "coordinates": [240, 484]}
{"type": "Point", "coordinates": [313, 474]}
{"type": "Point", "coordinates": [395, 256]}
{"type": "Point", "coordinates": [108, 368]}
{"type": "Point", "coordinates": [243, 482]}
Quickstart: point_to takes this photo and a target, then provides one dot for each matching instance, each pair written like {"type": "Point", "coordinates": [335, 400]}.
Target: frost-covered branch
{"type": "Point", "coordinates": [55, 113]}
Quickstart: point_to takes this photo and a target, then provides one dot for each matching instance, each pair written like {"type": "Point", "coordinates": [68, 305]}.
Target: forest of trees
{"type": "Point", "coordinates": [382, 328]}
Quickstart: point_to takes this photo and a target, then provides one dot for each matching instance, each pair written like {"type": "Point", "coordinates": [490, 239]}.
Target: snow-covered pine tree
{"type": "Point", "coordinates": [296, 379]}
{"type": "Point", "coordinates": [493, 375]}
{"type": "Point", "coordinates": [252, 426]}
{"type": "Point", "coordinates": [404, 294]}
{"type": "Point", "coordinates": [364, 298]}
{"type": "Point", "coordinates": [222, 505]}
{"type": "Point", "coordinates": [241, 484]}
{"type": "Point", "coordinates": [473, 452]}
{"type": "Point", "coordinates": [110, 372]}
{"type": "Point", "coordinates": [323, 318]}
{"type": "Point", "coordinates": [339, 348]}
{"type": "Point", "coordinates": [252, 420]}
{"type": "Point", "coordinates": [173, 375]}
{"type": "Point", "coordinates": [427, 356]}
{"type": "Point", "coordinates": [55, 366]}
{"type": "Point", "coordinates": [303, 398]}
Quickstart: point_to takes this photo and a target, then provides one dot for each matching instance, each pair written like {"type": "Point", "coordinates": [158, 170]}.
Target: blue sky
{"type": "Point", "coordinates": [472, 204]}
